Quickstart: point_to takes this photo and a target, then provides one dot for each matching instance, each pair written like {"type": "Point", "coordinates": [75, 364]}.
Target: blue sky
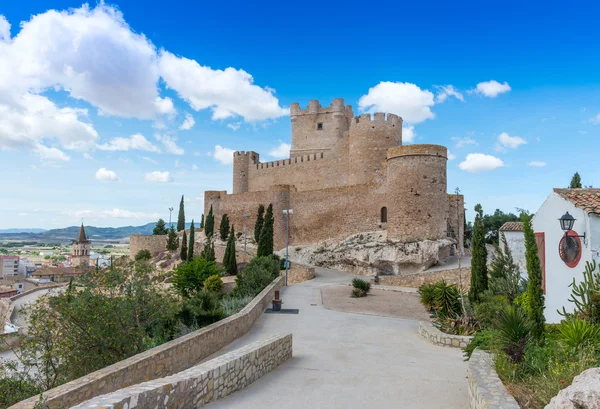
{"type": "Point", "coordinates": [96, 102]}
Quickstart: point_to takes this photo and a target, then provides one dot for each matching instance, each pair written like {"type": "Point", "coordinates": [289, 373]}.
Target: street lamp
{"type": "Point", "coordinates": [245, 216]}
{"type": "Point", "coordinates": [287, 213]}
{"type": "Point", "coordinates": [566, 224]}
{"type": "Point", "coordinates": [170, 210]}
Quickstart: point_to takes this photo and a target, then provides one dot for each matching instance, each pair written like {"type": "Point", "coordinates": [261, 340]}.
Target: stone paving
{"type": "Point", "coordinates": [347, 360]}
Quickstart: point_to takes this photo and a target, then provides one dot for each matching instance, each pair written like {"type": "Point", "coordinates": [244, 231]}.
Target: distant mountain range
{"type": "Point", "coordinates": [67, 234]}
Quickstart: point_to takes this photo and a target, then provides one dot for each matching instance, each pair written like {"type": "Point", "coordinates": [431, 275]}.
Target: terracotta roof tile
{"type": "Point", "coordinates": [512, 226]}
{"type": "Point", "coordinates": [587, 199]}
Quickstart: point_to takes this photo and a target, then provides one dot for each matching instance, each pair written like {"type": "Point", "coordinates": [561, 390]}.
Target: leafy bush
{"type": "Point", "coordinates": [143, 255]}
{"type": "Point", "coordinates": [523, 302]}
{"type": "Point", "coordinates": [458, 325]}
{"type": "Point", "coordinates": [514, 332]}
{"type": "Point", "coordinates": [486, 339]}
{"type": "Point", "coordinates": [214, 283]}
{"type": "Point", "coordinates": [488, 310]}
{"type": "Point", "coordinates": [189, 277]}
{"type": "Point", "coordinates": [575, 333]}
{"type": "Point", "coordinates": [256, 276]}
{"type": "Point", "coordinates": [362, 285]}
{"type": "Point", "coordinates": [357, 293]}
{"type": "Point", "coordinates": [233, 305]}
{"type": "Point", "coordinates": [202, 309]}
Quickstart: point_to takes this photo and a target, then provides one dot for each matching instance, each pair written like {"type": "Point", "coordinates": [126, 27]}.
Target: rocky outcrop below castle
{"type": "Point", "coordinates": [372, 253]}
{"type": "Point", "coordinates": [584, 392]}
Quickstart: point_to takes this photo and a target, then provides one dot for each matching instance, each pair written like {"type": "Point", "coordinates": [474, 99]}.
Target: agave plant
{"type": "Point", "coordinates": [446, 300]}
{"type": "Point", "coordinates": [514, 332]}
{"type": "Point", "coordinates": [575, 333]}
{"type": "Point", "coordinates": [426, 291]}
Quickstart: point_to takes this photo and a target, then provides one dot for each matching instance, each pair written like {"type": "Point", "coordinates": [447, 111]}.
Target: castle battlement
{"type": "Point", "coordinates": [291, 161]}
{"type": "Point", "coordinates": [378, 117]}
{"type": "Point", "coordinates": [314, 107]}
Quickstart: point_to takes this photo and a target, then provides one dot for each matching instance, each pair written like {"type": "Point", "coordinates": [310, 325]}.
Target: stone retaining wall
{"type": "Point", "coordinates": [486, 390]}
{"type": "Point", "coordinates": [299, 273]}
{"type": "Point", "coordinates": [451, 276]}
{"type": "Point", "coordinates": [437, 337]}
{"type": "Point", "coordinates": [161, 361]}
{"type": "Point", "coordinates": [208, 382]}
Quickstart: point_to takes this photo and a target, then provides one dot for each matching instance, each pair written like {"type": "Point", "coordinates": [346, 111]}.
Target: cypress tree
{"type": "Point", "coordinates": [172, 239]}
{"type": "Point", "coordinates": [160, 227]}
{"type": "Point", "coordinates": [181, 216]}
{"type": "Point", "coordinates": [479, 277]}
{"type": "Point", "coordinates": [208, 252]}
{"type": "Point", "coordinates": [575, 181]}
{"type": "Point", "coordinates": [260, 218]}
{"type": "Point", "coordinates": [265, 241]}
{"type": "Point", "coordinates": [190, 255]}
{"type": "Point", "coordinates": [184, 252]}
{"type": "Point", "coordinates": [202, 221]}
{"type": "Point", "coordinates": [535, 292]}
{"type": "Point", "coordinates": [209, 224]}
{"type": "Point", "coordinates": [229, 259]}
{"type": "Point", "coordinates": [224, 227]}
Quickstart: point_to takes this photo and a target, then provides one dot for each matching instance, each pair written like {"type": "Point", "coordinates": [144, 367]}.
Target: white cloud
{"type": "Point", "coordinates": [451, 156]}
{"type": "Point", "coordinates": [478, 162]}
{"type": "Point", "coordinates": [227, 93]}
{"type": "Point", "coordinates": [170, 144]}
{"type": "Point", "coordinates": [147, 159]}
{"type": "Point", "coordinates": [87, 156]}
{"type": "Point", "coordinates": [492, 88]}
{"type": "Point", "coordinates": [234, 126]}
{"type": "Point", "coordinates": [223, 155]}
{"type": "Point", "coordinates": [22, 214]}
{"type": "Point", "coordinates": [50, 155]}
{"type": "Point", "coordinates": [105, 175]}
{"type": "Point", "coordinates": [110, 214]}
{"type": "Point", "coordinates": [445, 91]}
{"type": "Point", "coordinates": [408, 134]}
{"type": "Point", "coordinates": [401, 98]}
{"type": "Point", "coordinates": [158, 177]}
{"type": "Point", "coordinates": [460, 142]}
{"type": "Point", "coordinates": [537, 164]}
{"type": "Point", "coordinates": [134, 142]}
{"type": "Point", "coordinates": [188, 122]}
{"type": "Point", "coordinates": [595, 119]}
{"type": "Point", "coordinates": [4, 29]}
{"type": "Point", "coordinates": [281, 151]}
{"type": "Point", "coordinates": [507, 141]}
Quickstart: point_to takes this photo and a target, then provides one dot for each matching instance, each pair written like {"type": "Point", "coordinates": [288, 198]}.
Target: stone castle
{"type": "Point", "coordinates": [347, 175]}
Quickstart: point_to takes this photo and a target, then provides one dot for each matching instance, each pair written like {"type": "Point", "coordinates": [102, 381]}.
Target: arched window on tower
{"type": "Point", "coordinates": [384, 214]}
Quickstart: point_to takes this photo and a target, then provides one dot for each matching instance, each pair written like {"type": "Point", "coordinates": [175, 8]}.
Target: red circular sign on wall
{"type": "Point", "coordinates": [569, 249]}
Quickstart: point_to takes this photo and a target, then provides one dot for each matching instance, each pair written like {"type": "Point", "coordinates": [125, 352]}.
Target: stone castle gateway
{"type": "Point", "coordinates": [346, 175]}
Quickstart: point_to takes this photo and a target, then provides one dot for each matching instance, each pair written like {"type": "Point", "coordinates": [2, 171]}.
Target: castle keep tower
{"type": "Point", "coordinates": [241, 166]}
{"type": "Point", "coordinates": [319, 129]}
{"type": "Point", "coordinates": [416, 192]}
{"type": "Point", "coordinates": [81, 250]}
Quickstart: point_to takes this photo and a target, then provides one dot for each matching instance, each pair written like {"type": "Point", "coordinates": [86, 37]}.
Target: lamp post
{"type": "Point", "coordinates": [566, 224]}
{"type": "Point", "coordinates": [287, 213]}
{"type": "Point", "coordinates": [245, 216]}
{"type": "Point", "coordinates": [170, 211]}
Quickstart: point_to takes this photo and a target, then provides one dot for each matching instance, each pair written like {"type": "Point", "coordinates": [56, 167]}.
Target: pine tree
{"type": "Point", "coordinates": [265, 241]}
{"type": "Point", "coordinates": [224, 227]}
{"type": "Point", "coordinates": [575, 181]}
{"type": "Point", "coordinates": [184, 251]}
{"type": "Point", "coordinates": [208, 252]}
{"type": "Point", "coordinates": [190, 255]}
{"type": "Point", "coordinates": [202, 221]}
{"type": "Point", "coordinates": [260, 218]}
{"type": "Point", "coordinates": [229, 259]}
{"type": "Point", "coordinates": [181, 216]}
{"type": "Point", "coordinates": [159, 228]}
{"type": "Point", "coordinates": [172, 239]}
{"type": "Point", "coordinates": [479, 278]}
{"type": "Point", "coordinates": [209, 224]}
{"type": "Point", "coordinates": [535, 292]}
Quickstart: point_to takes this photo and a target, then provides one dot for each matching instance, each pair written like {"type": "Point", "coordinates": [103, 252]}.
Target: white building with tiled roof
{"type": "Point", "coordinates": [513, 232]}
{"type": "Point", "coordinates": [563, 258]}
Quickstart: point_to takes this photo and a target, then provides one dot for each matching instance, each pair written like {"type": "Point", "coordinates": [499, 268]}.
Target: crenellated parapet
{"type": "Point", "coordinates": [337, 108]}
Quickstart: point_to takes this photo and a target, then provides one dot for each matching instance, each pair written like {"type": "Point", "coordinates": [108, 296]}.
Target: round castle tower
{"type": "Point", "coordinates": [369, 141]}
{"type": "Point", "coordinates": [416, 192]}
{"type": "Point", "coordinates": [241, 164]}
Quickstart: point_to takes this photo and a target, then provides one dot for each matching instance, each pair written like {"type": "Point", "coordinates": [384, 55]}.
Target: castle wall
{"type": "Point", "coordinates": [417, 197]}
{"type": "Point", "coordinates": [153, 243]}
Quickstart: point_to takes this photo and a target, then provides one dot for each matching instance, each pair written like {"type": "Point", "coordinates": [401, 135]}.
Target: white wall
{"type": "Point", "coordinates": [516, 244]}
{"type": "Point", "coordinates": [558, 274]}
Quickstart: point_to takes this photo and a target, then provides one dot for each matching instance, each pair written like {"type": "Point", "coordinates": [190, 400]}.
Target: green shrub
{"type": "Point", "coordinates": [256, 275]}
{"type": "Point", "coordinates": [143, 255]}
{"type": "Point", "coordinates": [446, 299]}
{"type": "Point", "coordinates": [488, 310]}
{"type": "Point", "coordinates": [426, 291]}
{"type": "Point", "coordinates": [202, 309]}
{"type": "Point", "coordinates": [362, 285]}
{"type": "Point", "coordinates": [486, 340]}
{"type": "Point", "coordinates": [514, 332]}
{"type": "Point", "coordinates": [523, 302]}
{"type": "Point", "coordinates": [458, 325]}
{"type": "Point", "coordinates": [357, 293]}
{"type": "Point", "coordinates": [189, 277]}
{"type": "Point", "coordinates": [575, 333]}
{"type": "Point", "coordinates": [214, 283]}
{"type": "Point", "coordinates": [233, 305]}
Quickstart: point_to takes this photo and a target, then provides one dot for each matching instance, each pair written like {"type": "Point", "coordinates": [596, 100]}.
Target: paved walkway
{"type": "Point", "coordinates": [347, 360]}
